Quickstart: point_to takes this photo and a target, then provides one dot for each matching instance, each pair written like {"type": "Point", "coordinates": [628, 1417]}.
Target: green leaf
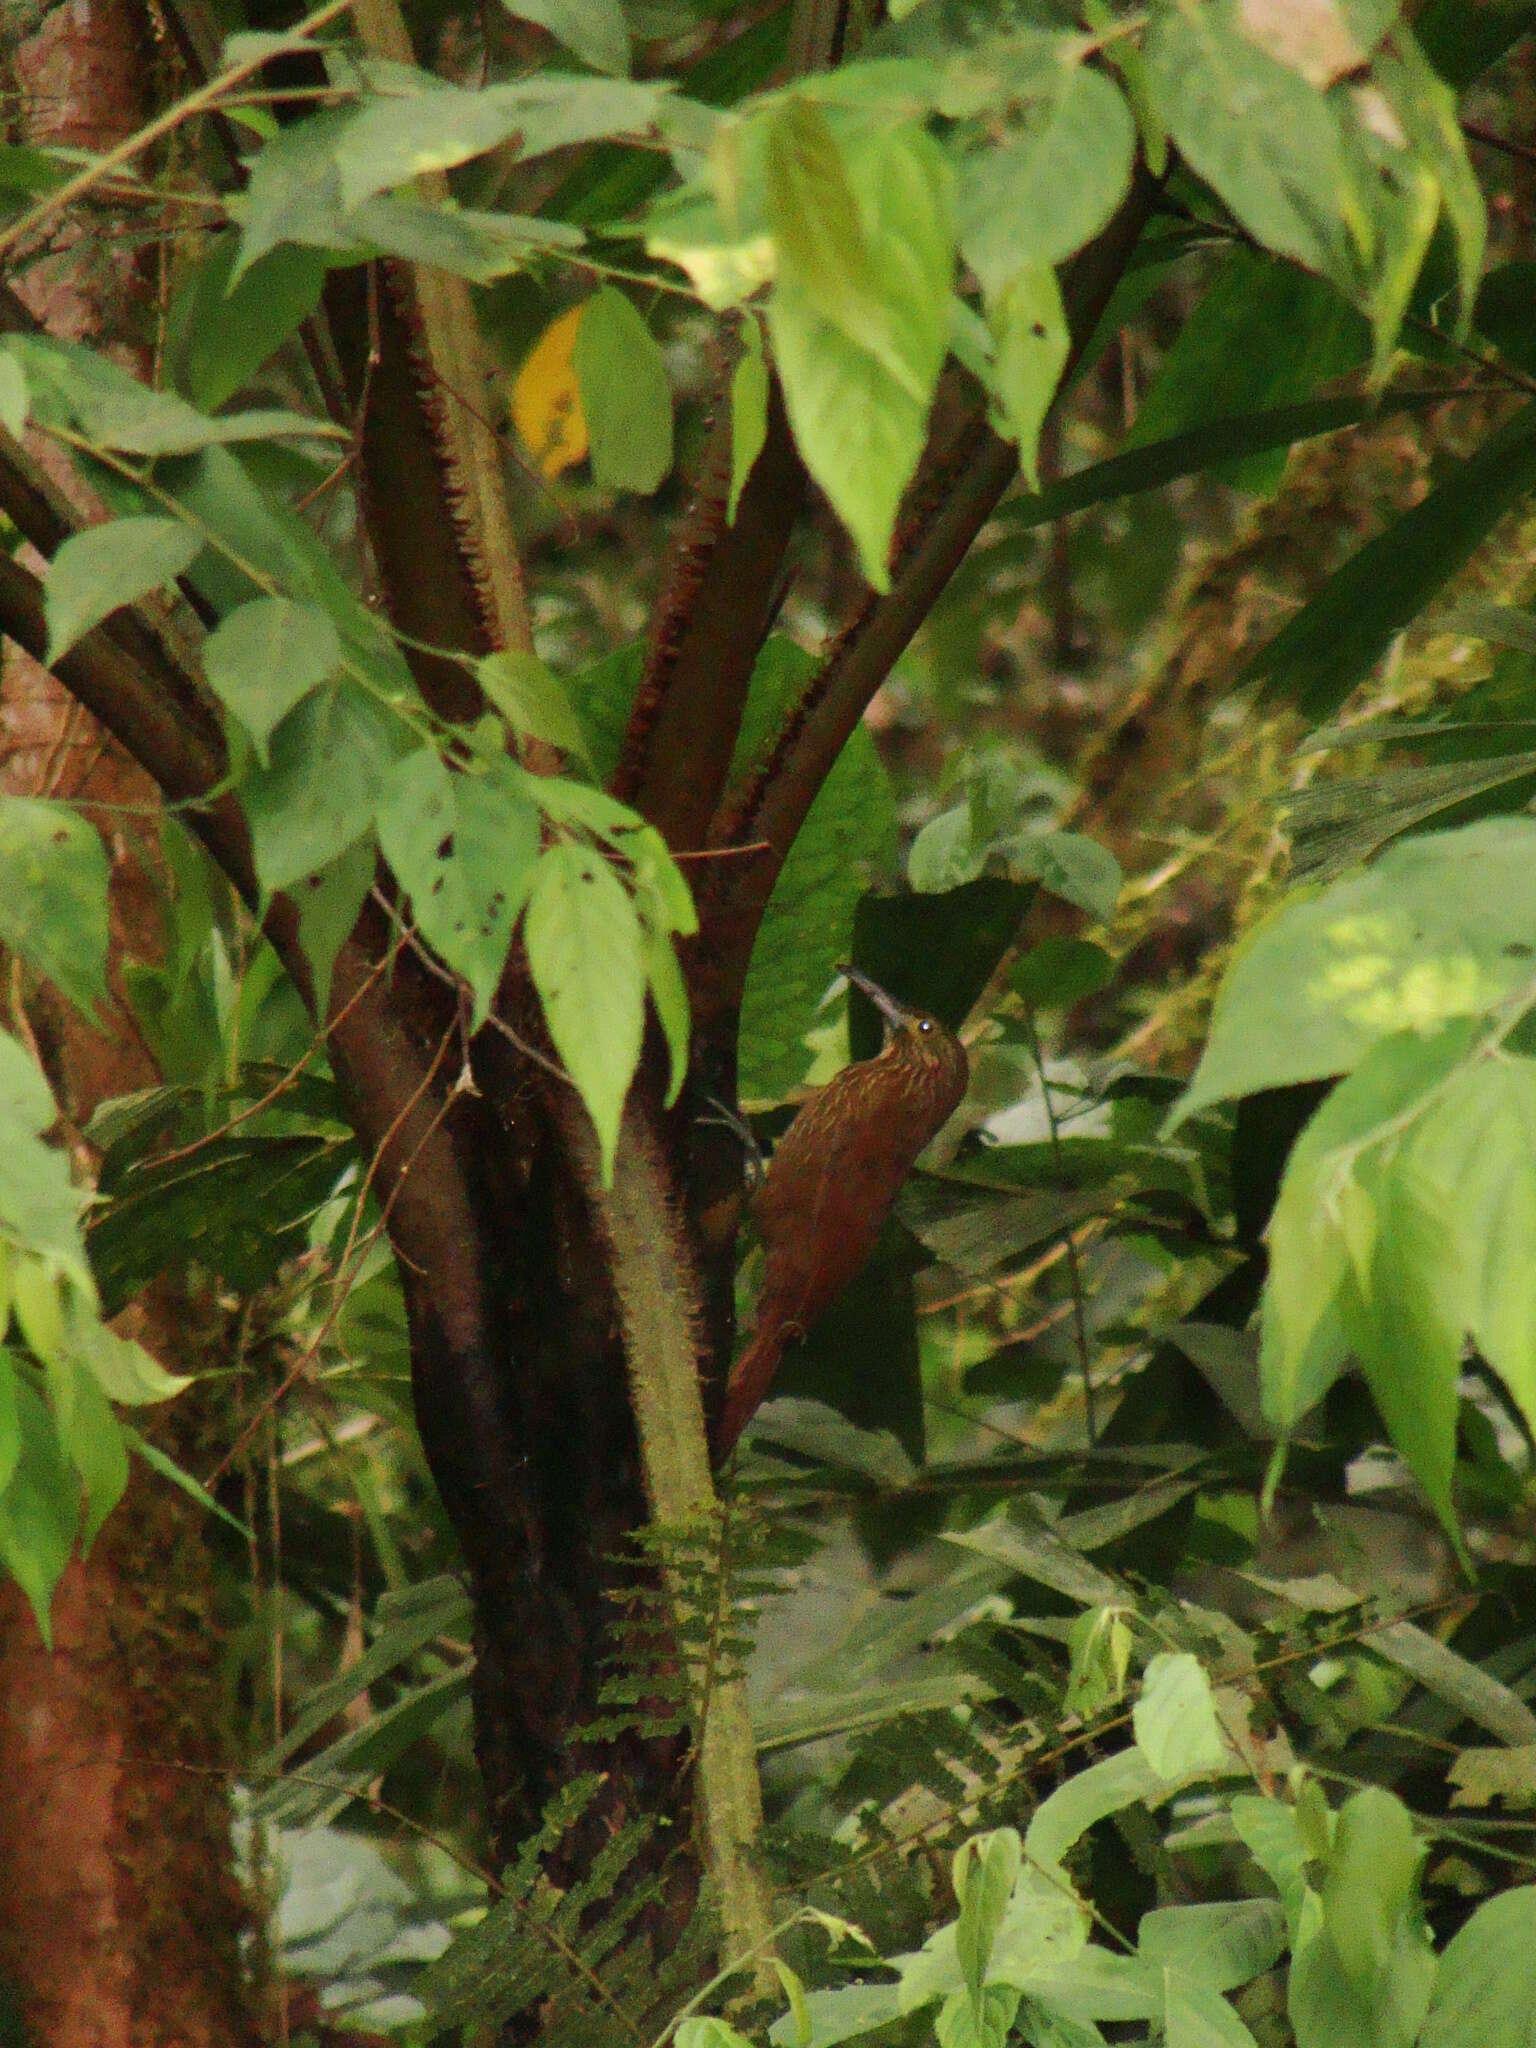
{"type": "Point", "coordinates": [344, 1770]}
{"type": "Point", "coordinates": [1029, 329]}
{"type": "Point", "coordinates": [39, 1509]}
{"type": "Point", "coordinates": [1099, 1644]}
{"type": "Point", "coordinates": [1267, 1829]}
{"type": "Point", "coordinates": [826, 257]}
{"type": "Point", "coordinates": [1051, 184]}
{"type": "Point", "coordinates": [1365, 1977]}
{"type": "Point", "coordinates": [329, 903]}
{"type": "Point", "coordinates": [1261, 334]}
{"type": "Point", "coordinates": [1220, 442]}
{"type": "Point", "coordinates": [157, 1461]}
{"type": "Point", "coordinates": [808, 925]}
{"type": "Point", "coordinates": [1196, 2017]}
{"type": "Point", "coordinates": [1426, 107]}
{"type": "Point", "coordinates": [1442, 925]}
{"type": "Point", "coordinates": [53, 896]}
{"type": "Point", "coordinates": [465, 241]}
{"type": "Point", "coordinates": [985, 1871]}
{"type": "Point", "coordinates": [1468, 1687]}
{"type": "Point", "coordinates": [584, 946]}
{"type": "Point", "coordinates": [1060, 972]}
{"type": "Point", "coordinates": [1065, 1815]}
{"type": "Point", "coordinates": [1321, 1233]}
{"type": "Point", "coordinates": [985, 2021]}
{"type": "Point", "coordinates": [626, 395]}
{"type": "Point", "coordinates": [1482, 1995]}
{"type": "Point", "coordinates": [532, 699]}
{"type": "Point", "coordinates": [1175, 1718]}
{"type": "Point", "coordinates": [121, 1367]}
{"type": "Point", "coordinates": [257, 528]}
{"type": "Point", "coordinates": [1069, 865]}
{"type": "Point", "coordinates": [79, 390]}
{"type": "Point", "coordinates": [13, 394]}
{"type": "Point", "coordinates": [10, 1416]}
{"type": "Point", "coordinates": [92, 1439]}
{"type": "Point", "coordinates": [1265, 140]}
{"type": "Point", "coordinates": [840, 2015]}
{"type": "Point", "coordinates": [1324, 651]}
{"type": "Point", "coordinates": [464, 849]}
{"type": "Point", "coordinates": [398, 137]}
{"type": "Point", "coordinates": [669, 992]}
{"type": "Point", "coordinates": [794, 1992]}
{"type": "Point", "coordinates": [859, 424]}
{"type": "Point", "coordinates": [698, 2033]}
{"type": "Point", "coordinates": [593, 30]}
{"type": "Point", "coordinates": [318, 796]}
{"type": "Point", "coordinates": [1467, 1171]}
{"type": "Point", "coordinates": [265, 657]}
{"type": "Point", "coordinates": [39, 1206]}
{"type": "Point", "coordinates": [103, 567]}
{"type": "Point", "coordinates": [221, 334]}
{"type": "Point", "coordinates": [1219, 1946]}
{"type": "Point", "coordinates": [749, 411]}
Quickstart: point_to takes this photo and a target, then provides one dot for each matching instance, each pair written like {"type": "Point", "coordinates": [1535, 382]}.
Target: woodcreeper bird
{"type": "Point", "coordinates": [831, 1182]}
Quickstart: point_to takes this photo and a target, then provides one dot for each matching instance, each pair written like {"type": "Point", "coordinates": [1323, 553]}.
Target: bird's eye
{"type": "Point", "coordinates": [925, 1023]}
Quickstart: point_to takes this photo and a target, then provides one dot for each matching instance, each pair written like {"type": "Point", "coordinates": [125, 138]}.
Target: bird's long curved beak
{"type": "Point", "coordinates": [892, 1011]}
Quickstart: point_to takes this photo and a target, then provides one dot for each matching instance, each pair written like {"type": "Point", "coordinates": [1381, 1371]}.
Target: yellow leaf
{"type": "Point", "coordinates": [546, 398]}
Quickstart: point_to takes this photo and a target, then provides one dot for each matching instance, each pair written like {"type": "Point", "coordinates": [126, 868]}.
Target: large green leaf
{"type": "Point", "coordinates": [1482, 1995]}
{"type": "Point", "coordinates": [1321, 1232]}
{"type": "Point", "coordinates": [1364, 1978]}
{"type": "Point", "coordinates": [1443, 925]}
{"type": "Point", "coordinates": [1175, 1718]}
{"type": "Point", "coordinates": [39, 1206]}
{"type": "Point", "coordinates": [53, 895]}
{"type": "Point", "coordinates": [859, 370]}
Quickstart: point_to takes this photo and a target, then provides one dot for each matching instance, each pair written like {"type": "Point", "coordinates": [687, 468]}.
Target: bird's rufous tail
{"type": "Point", "coordinates": [747, 1387]}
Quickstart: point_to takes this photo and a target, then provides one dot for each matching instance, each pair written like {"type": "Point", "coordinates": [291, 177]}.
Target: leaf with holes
{"type": "Point", "coordinates": [464, 848]}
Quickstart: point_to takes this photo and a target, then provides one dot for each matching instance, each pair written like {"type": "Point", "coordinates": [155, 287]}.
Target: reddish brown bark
{"type": "Point", "coordinates": [121, 1918]}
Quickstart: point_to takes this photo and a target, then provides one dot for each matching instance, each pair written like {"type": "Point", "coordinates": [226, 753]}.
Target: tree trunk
{"type": "Point", "coordinates": [123, 1917]}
